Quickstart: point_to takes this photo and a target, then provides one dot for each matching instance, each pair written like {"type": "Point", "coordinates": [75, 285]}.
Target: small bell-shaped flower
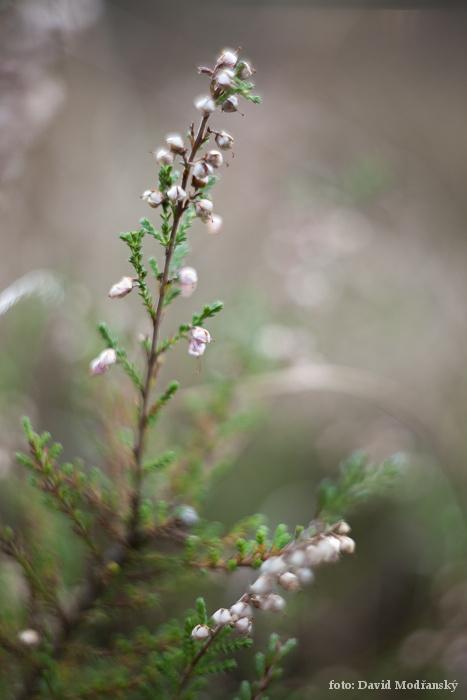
{"type": "Point", "coordinates": [214, 224]}
{"type": "Point", "coordinates": [101, 364]}
{"type": "Point", "coordinates": [176, 194]}
{"type": "Point", "coordinates": [244, 626]}
{"type": "Point", "coordinates": [214, 159]}
{"type": "Point", "coordinates": [227, 59]}
{"type": "Point", "coordinates": [196, 347]}
{"type": "Point", "coordinates": [153, 197]}
{"type": "Point", "coordinates": [122, 288]}
{"type": "Point", "coordinates": [222, 617]}
{"type": "Point", "coordinates": [223, 81]}
{"type": "Point", "coordinates": [244, 70]}
{"type": "Point", "coordinates": [205, 105]}
{"type": "Point", "coordinates": [188, 279]}
{"type": "Point", "coordinates": [289, 581]}
{"type": "Point", "coordinates": [203, 208]}
{"type": "Point", "coordinates": [29, 637]}
{"type": "Point", "coordinates": [201, 633]}
{"type": "Point", "coordinates": [176, 144]}
{"type": "Point", "coordinates": [241, 609]}
{"type": "Point", "coordinates": [164, 157]}
{"type": "Point", "coordinates": [230, 104]}
{"type": "Point", "coordinates": [224, 140]}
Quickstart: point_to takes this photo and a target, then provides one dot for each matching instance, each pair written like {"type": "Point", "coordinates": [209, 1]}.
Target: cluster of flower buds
{"type": "Point", "coordinates": [291, 570]}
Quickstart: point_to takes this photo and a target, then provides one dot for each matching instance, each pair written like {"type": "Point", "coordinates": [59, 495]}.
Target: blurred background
{"type": "Point", "coordinates": [342, 265]}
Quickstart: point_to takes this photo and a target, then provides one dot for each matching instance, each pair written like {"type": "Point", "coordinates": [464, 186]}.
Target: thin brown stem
{"type": "Point", "coordinates": [196, 659]}
{"type": "Point", "coordinates": [154, 354]}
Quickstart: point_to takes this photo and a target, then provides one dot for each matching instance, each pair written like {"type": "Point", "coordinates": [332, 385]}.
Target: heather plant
{"type": "Point", "coordinates": [142, 532]}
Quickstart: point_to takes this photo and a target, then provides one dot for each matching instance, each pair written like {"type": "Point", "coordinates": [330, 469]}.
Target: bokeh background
{"type": "Point", "coordinates": [342, 265]}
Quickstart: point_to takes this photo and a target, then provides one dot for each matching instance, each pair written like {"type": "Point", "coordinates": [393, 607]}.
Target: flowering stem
{"type": "Point", "coordinates": [197, 658]}
{"type": "Point", "coordinates": [154, 354]}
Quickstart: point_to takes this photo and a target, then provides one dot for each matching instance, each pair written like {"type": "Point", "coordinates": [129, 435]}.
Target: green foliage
{"type": "Point", "coordinates": [359, 479]}
{"type": "Point", "coordinates": [208, 312]}
{"type": "Point", "coordinates": [267, 668]}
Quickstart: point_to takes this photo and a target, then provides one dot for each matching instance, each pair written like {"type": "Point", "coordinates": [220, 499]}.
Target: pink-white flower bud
{"type": "Point", "coordinates": [176, 194]}
{"type": "Point", "coordinates": [222, 617]}
{"type": "Point", "coordinates": [296, 558]}
{"type": "Point", "coordinates": [263, 585]}
{"type": "Point", "coordinates": [274, 566]}
{"type": "Point", "coordinates": [347, 544]}
{"type": "Point", "coordinates": [203, 208]}
{"type": "Point", "coordinates": [342, 528]}
{"type": "Point", "coordinates": [201, 632]}
{"type": "Point", "coordinates": [188, 516]}
{"type": "Point", "coordinates": [224, 80]}
{"type": "Point", "coordinates": [230, 104]}
{"type": "Point", "coordinates": [200, 334]}
{"type": "Point", "coordinates": [305, 576]}
{"type": "Point", "coordinates": [214, 224]}
{"type": "Point", "coordinates": [122, 288]}
{"type": "Point", "coordinates": [176, 144]}
{"type": "Point", "coordinates": [224, 140]}
{"type": "Point", "coordinates": [196, 348]}
{"type": "Point", "coordinates": [244, 70]}
{"type": "Point", "coordinates": [214, 159]}
{"type": "Point", "coordinates": [244, 626]}
{"type": "Point", "coordinates": [188, 279]}
{"type": "Point", "coordinates": [29, 637]}
{"type": "Point", "coordinates": [289, 581]}
{"type": "Point", "coordinates": [101, 364]}
{"type": "Point", "coordinates": [240, 610]}
{"type": "Point", "coordinates": [205, 105]}
{"type": "Point", "coordinates": [164, 157]}
{"type": "Point", "coordinates": [153, 197]}
{"type": "Point", "coordinates": [202, 170]}
{"type": "Point", "coordinates": [227, 59]}
{"type": "Point", "coordinates": [271, 603]}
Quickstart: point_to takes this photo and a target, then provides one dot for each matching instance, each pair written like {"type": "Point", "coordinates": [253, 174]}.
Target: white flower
{"type": "Point", "coordinates": [289, 581]}
{"type": "Point", "coordinates": [176, 194]}
{"type": "Point", "coordinates": [101, 364]}
{"type": "Point", "coordinates": [240, 610]}
{"type": "Point", "coordinates": [202, 170]}
{"type": "Point", "coordinates": [272, 602]}
{"type": "Point", "coordinates": [188, 516]}
{"type": "Point", "coordinates": [214, 224]}
{"type": "Point", "coordinates": [244, 71]}
{"type": "Point", "coordinates": [203, 208]}
{"type": "Point", "coordinates": [223, 80]}
{"type": "Point", "coordinates": [153, 197]}
{"type": "Point", "coordinates": [227, 59]}
{"type": "Point", "coordinates": [201, 632]}
{"type": "Point", "coordinates": [122, 288]}
{"type": "Point", "coordinates": [196, 348]}
{"type": "Point", "coordinates": [200, 334]}
{"type": "Point", "coordinates": [274, 565]}
{"type": "Point", "coordinates": [305, 576]}
{"type": "Point", "coordinates": [230, 104]}
{"type": "Point", "coordinates": [205, 105]}
{"type": "Point", "coordinates": [164, 157]}
{"type": "Point", "coordinates": [188, 278]}
{"type": "Point", "coordinates": [224, 140]}
{"type": "Point", "coordinates": [222, 617]}
{"type": "Point", "coordinates": [296, 558]}
{"type": "Point", "coordinates": [342, 528]}
{"type": "Point", "coordinates": [175, 143]}
{"type": "Point", "coordinates": [263, 585]}
{"type": "Point", "coordinates": [214, 159]}
{"type": "Point", "coordinates": [347, 544]}
{"type": "Point", "coordinates": [244, 625]}
{"type": "Point", "coordinates": [29, 637]}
